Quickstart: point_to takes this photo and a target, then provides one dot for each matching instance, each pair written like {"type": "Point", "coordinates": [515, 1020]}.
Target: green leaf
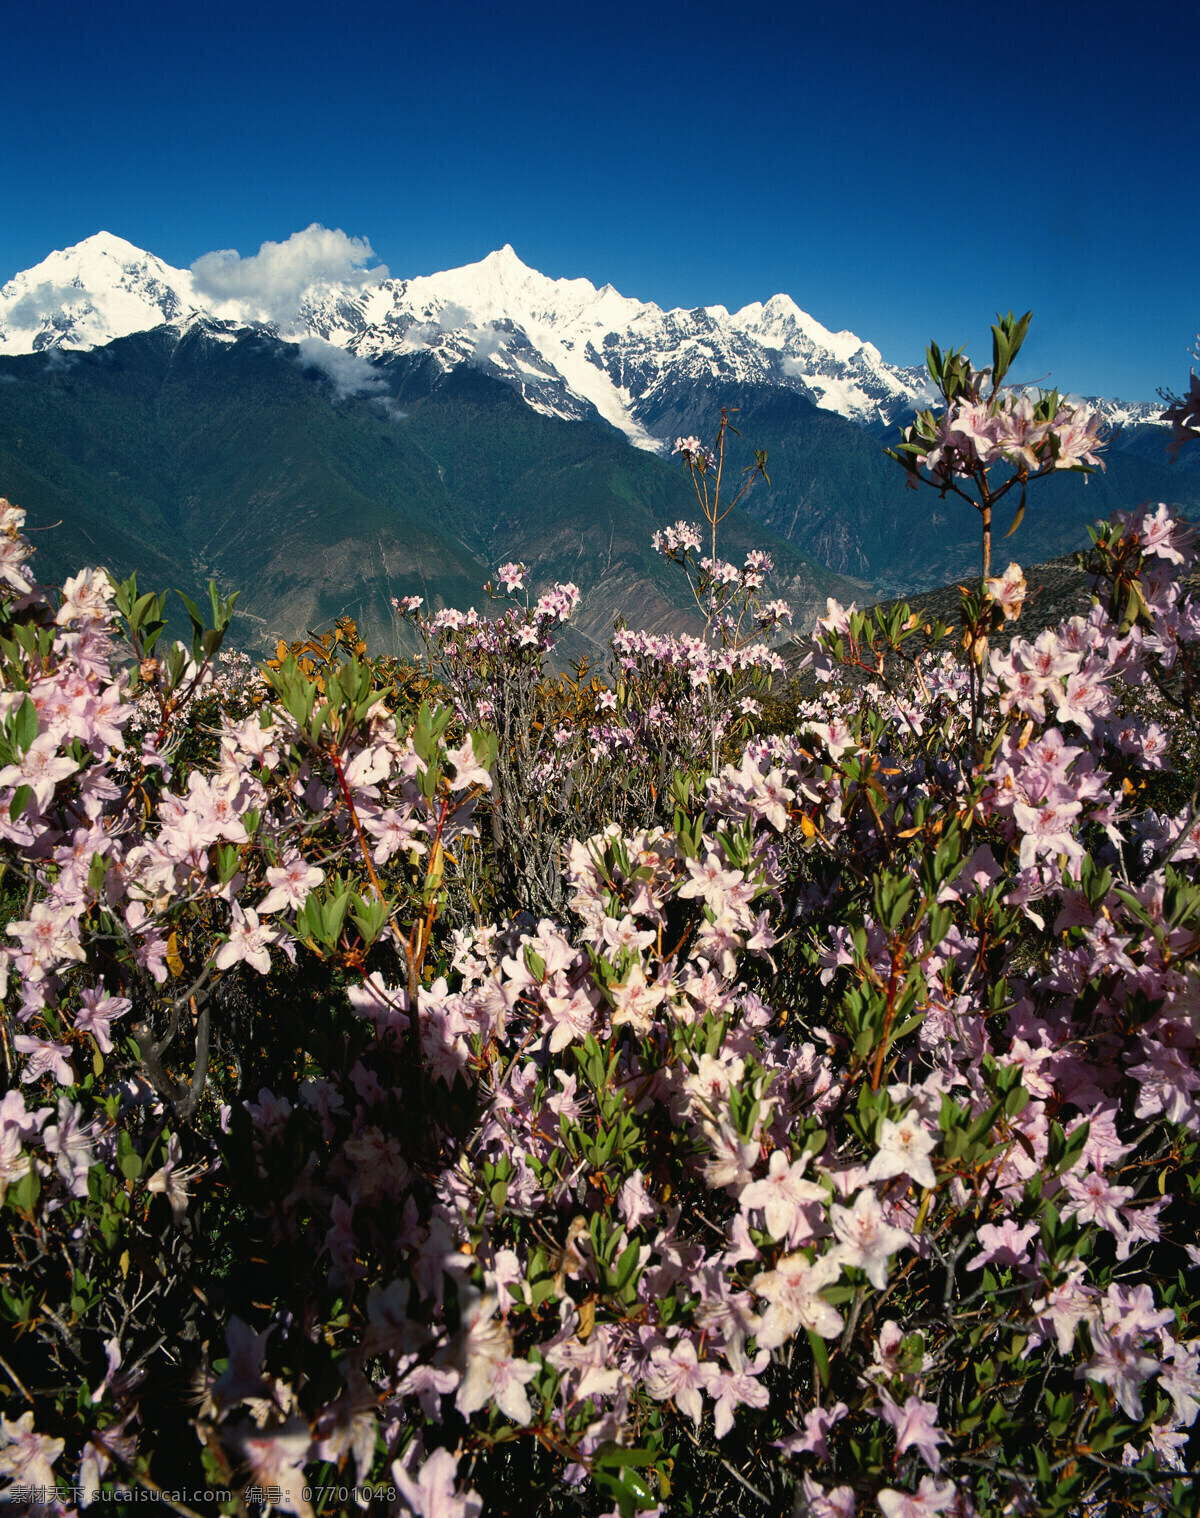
{"type": "Point", "coordinates": [1018, 519]}
{"type": "Point", "coordinates": [26, 725]}
{"type": "Point", "coordinates": [627, 1265]}
{"type": "Point", "coordinates": [820, 1355]}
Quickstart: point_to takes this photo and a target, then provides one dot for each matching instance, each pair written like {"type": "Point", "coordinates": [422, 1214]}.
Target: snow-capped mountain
{"type": "Point", "coordinates": [572, 350]}
{"type": "Point", "coordinates": [85, 296]}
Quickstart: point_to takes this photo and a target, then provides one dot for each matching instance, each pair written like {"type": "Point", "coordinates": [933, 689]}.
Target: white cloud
{"type": "Point", "coordinates": [449, 319]}
{"type": "Point", "coordinates": [488, 342]}
{"type": "Point", "coordinates": [272, 284]}
{"type": "Point", "coordinates": [45, 299]}
{"type": "Point", "coordinates": [452, 318]}
{"type": "Point", "coordinates": [350, 374]}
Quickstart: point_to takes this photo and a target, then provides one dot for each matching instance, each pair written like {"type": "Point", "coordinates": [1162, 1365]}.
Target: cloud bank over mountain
{"type": "Point", "coordinates": [272, 284]}
{"type": "Point", "coordinates": [570, 349]}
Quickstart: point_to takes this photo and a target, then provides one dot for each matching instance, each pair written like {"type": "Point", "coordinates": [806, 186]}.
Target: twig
{"type": "Point", "coordinates": [145, 1482]}
{"type": "Point", "coordinates": [737, 1476]}
{"type": "Point", "coordinates": [15, 1379]}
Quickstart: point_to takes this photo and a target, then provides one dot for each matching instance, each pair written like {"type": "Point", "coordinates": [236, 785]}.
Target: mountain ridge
{"type": "Point", "coordinates": [570, 349]}
{"type": "Point", "coordinates": [397, 442]}
{"type": "Point", "coordinates": [197, 453]}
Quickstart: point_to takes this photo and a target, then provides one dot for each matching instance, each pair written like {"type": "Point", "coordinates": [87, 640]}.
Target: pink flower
{"type": "Point", "coordinates": [633, 1202]}
{"type": "Point", "coordinates": [432, 1494]}
{"type": "Point", "coordinates": [1119, 1363]}
{"type": "Point", "coordinates": [793, 1290]}
{"type": "Point", "coordinates": [49, 936]}
{"type": "Point", "coordinates": [45, 1058]}
{"type": "Point", "coordinates": [817, 1423]}
{"type": "Point", "coordinates": [781, 1193]}
{"type": "Point", "coordinates": [865, 1238]}
{"type": "Point", "coordinates": [27, 1457]}
{"type": "Point", "coordinates": [837, 618]}
{"type": "Point", "coordinates": [1091, 1199]}
{"type": "Point", "coordinates": [1076, 433]}
{"type": "Point", "coordinates": [248, 940]}
{"type": "Point", "coordinates": [1005, 1244]}
{"type": "Point", "coordinates": [678, 1374]}
{"type": "Point", "coordinates": [513, 577]}
{"type": "Point", "coordinates": [242, 1376]}
{"type": "Point", "coordinates": [1009, 589]}
{"type": "Point", "coordinates": [72, 1144]}
{"type": "Point", "coordinates": [291, 883]}
{"type": "Point", "coordinates": [97, 1011]}
{"type": "Point", "coordinates": [737, 1386]}
{"type": "Point", "coordinates": [1047, 831]}
{"type": "Point", "coordinates": [916, 1427]}
{"type": "Point", "coordinates": [491, 1373]}
{"type": "Point", "coordinates": [276, 1458]}
{"type": "Point", "coordinates": [816, 1502]}
{"type": "Point", "coordinates": [171, 1180]}
{"type": "Point", "coordinates": [85, 598]}
{"type": "Point", "coordinates": [930, 1497]}
{"type": "Point", "coordinates": [467, 770]}
{"type": "Point", "coordinates": [1159, 534]}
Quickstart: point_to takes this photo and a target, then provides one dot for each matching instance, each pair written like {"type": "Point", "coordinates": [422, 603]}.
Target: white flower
{"type": "Point", "coordinates": [492, 1374]}
{"type": "Point", "coordinates": [782, 1193]}
{"type": "Point", "coordinates": [467, 769]}
{"type": "Point", "coordinates": [904, 1149]}
{"type": "Point", "coordinates": [26, 1456]}
{"type": "Point", "coordinates": [865, 1238]}
{"type": "Point", "coordinates": [291, 882]}
{"type": "Point", "coordinates": [248, 940]}
{"type": "Point", "coordinates": [1121, 1365]}
{"type": "Point", "coordinates": [793, 1290]}
{"type": "Point", "coordinates": [276, 1458]}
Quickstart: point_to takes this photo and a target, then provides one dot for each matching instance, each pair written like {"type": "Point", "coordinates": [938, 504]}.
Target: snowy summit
{"type": "Point", "coordinates": [572, 350]}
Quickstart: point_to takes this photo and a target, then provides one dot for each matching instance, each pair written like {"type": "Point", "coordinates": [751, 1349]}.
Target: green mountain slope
{"type": "Point", "coordinates": [834, 491]}
{"type": "Point", "coordinates": [197, 456]}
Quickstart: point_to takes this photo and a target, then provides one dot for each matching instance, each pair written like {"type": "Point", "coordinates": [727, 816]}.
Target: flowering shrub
{"type": "Point", "coordinates": [574, 754]}
{"type": "Point", "coordinates": [985, 425]}
{"type": "Point", "coordinates": [829, 1147]}
{"type": "Point", "coordinates": [1183, 412]}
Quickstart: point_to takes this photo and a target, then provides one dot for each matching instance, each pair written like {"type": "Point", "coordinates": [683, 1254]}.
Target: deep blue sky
{"type": "Point", "coordinates": [903, 171]}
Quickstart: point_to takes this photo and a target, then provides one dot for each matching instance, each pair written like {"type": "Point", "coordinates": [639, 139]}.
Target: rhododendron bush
{"type": "Point", "coordinates": [827, 1144]}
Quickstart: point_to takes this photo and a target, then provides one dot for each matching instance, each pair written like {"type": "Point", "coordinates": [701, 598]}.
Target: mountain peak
{"type": "Point", "coordinates": [90, 293]}
{"type": "Point", "coordinates": [506, 258]}
{"type": "Point", "coordinates": [569, 347]}
{"type": "Point", "coordinates": [108, 243]}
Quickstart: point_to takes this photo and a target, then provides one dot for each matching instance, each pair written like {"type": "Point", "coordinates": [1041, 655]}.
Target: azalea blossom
{"type": "Point", "coordinates": [291, 884]}
{"type": "Point", "coordinates": [27, 1457]}
{"type": "Point", "coordinates": [916, 1427]}
{"type": "Point", "coordinates": [793, 1289]}
{"type": "Point", "coordinates": [432, 1493]}
{"type": "Point", "coordinates": [930, 1497]}
{"type": "Point", "coordinates": [781, 1193]}
{"type": "Point", "coordinates": [1121, 1365]}
{"type": "Point", "coordinates": [865, 1238]}
{"type": "Point", "coordinates": [904, 1149]}
{"type": "Point", "coordinates": [276, 1458]}
{"type": "Point", "coordinates": [248, 940]}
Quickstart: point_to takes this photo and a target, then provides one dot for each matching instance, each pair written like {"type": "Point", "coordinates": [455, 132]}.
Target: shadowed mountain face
{"type": "Point", "coordinates": [421, 431]}
{"type": "Point", "coordinates": [834, 492]}
{"type": "Point", "coordinates": [219, 453]}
